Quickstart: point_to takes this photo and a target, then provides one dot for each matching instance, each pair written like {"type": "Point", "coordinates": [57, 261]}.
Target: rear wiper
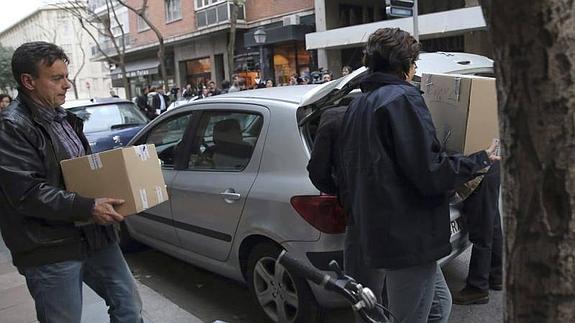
{"type": "Point", "coordinates": [124, 125]}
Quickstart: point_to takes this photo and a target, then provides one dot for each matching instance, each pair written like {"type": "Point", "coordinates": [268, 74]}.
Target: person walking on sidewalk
{"type": "Point", "coordinates": [395, 179]}
{"type": "Point", "coordinates": [57, 239]}
{"type": "Point", "coordinates": [483, 220]}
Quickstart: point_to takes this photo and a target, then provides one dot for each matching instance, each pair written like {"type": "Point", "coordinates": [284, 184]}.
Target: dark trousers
{"type": "Point", "coordinates": [355, 266]}
{"type": "Point", "coordinates": [481, 211]}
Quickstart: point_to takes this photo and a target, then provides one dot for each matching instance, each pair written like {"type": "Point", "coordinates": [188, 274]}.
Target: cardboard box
{"type": "Point", "coordinates": [132, 174]}
{"type": "Point", "coordinates": [464, 110]}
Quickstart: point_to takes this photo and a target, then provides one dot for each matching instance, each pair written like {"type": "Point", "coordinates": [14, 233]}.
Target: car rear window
{"type": "Point", "coordinates": [108, 117]}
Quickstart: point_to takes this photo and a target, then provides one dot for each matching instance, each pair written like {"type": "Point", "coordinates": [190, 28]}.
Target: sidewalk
{"type": "Point", "coordinates": [16, 305]}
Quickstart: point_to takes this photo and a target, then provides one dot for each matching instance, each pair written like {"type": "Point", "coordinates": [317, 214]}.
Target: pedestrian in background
{"type": "Point", "coordinates": [113, 94]}
{"type": "Point", "coordinates": [213, 89]}
{"type": "Point", "coordinates": [270, 83]}
{"type": "Point", "coordinates": [57, 239]}
{"type": "Point", "coordinates": [395, 180]}
{"type": "Point", "coordinates": [5, 101]}
{"type": "Point", "coordinates": [346, 70]}
{"type": "Point", "coordinates": [143, 103]}
{"type": "Point", "coordinates": [188, 92]}
{"type": "Point", "coordinates": [225, 86]}
{"type": "Point", "coordinates": [483, 221]}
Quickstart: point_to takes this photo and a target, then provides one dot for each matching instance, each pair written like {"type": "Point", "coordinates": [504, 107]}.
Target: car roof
{"type": "Point", "coordinates": [92, 102]}
{"type": "Point", "coordinates": [291, 94]}
{"type": "Point", "coordinates": [452, 62]}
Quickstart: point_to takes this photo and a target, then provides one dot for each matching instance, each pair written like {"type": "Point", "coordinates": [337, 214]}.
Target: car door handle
{"type": "Point", "coordinates": [230, 195]}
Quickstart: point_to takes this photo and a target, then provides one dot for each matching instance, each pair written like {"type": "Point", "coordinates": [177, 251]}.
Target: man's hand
{"type": "Point", "coordinates": [493, 151]}
{"type": "Point", "coordinates": [104, 213]}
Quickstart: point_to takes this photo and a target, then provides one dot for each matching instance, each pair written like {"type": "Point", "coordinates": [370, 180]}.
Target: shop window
{"type": "Point", "coordinates": [198, 71]}
{"type": "Point", "coordinates": [291, 58]}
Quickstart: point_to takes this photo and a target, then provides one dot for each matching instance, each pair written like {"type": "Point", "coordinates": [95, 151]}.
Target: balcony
{"type": "Point", "coordinates": [98, 7]}
{"type": "Point", "coordinates": [217, 14]}
{"type": "Point", "coordinates": [108, 46]}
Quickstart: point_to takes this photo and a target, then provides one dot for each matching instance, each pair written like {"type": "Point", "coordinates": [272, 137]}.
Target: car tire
{"type": "Point", "coordinates": [127, 243]}
{"type": "Point", "coordinates": [280, 295]}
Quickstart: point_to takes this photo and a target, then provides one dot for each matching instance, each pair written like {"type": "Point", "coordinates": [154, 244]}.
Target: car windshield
{"type": "Point", "coordinates": [107, 117]}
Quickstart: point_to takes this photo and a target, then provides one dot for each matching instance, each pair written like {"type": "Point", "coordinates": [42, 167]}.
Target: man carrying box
{"type": "Point", "coordinates": [38, 217]}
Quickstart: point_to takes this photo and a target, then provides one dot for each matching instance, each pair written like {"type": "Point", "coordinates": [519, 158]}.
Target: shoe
{"type": "Point", "coordinates": [471, 295]}
{"type": "Point", "coordinates": [495, 284]}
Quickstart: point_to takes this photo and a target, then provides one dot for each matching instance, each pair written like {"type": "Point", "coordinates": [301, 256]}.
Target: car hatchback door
{"type": "Point", "coordinates": [224, 157]}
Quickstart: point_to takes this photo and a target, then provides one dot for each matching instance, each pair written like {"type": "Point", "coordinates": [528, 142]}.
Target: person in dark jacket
{"type": "Point", "coordinates": [57, 239]}
{"type": "Point", "coordinates": [323, 169]}
{"type": "Point", "coordinates": [395, 177]}
{"type": "Point", "coordinates": [483, 221]}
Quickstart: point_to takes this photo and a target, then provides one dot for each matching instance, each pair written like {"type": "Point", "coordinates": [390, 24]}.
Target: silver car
{"type": "Point", "coordinates": [235, 167]}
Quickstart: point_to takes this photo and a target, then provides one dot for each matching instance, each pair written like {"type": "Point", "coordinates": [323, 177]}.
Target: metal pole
{"type": "Point", "coordinates": [262, 79]}
{"type": "Point", "coordinates": [415, 21]}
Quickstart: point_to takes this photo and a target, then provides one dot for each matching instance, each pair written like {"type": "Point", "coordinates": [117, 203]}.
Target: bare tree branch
{"type": "Point", "coordinates": [161, 47]}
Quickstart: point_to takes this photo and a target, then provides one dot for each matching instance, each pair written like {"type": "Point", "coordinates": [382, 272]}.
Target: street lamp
{"type": "Point", "coordinates": [260, 38]}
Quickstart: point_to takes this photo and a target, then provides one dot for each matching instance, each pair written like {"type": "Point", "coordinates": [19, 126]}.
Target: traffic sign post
{"type": "Point", "coordinates": [399, 8]}
{"type": "Point", "coordinates": [404, 8]}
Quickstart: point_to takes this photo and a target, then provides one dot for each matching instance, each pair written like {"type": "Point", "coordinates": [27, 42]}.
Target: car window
{"type": "Point", "coordinates": [108, 117]}
{"type": "Point", "coordinates": [167, 135]}
{"type": "Point", "coordinates": [225, 141]}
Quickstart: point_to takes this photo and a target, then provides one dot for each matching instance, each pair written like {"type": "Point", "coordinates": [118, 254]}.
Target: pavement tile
{"type": "Point", "coordinates": [20, 313]}
{"type": "Point", "coordinates": [11, 279]}
{"type": "Point", "coordinates": [17, 306]}
{"type": "Point", "coordinates": [13, 296]}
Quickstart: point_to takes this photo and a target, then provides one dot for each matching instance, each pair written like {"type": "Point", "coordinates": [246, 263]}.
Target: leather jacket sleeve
{"type": "Point", "coordinates": [24, 179]}
{"type": "Point", "coordinates": [419, 154]}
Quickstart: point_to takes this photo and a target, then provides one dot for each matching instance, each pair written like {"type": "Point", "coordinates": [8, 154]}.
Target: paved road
{"type": "Point", "coordinates": [211, 297]}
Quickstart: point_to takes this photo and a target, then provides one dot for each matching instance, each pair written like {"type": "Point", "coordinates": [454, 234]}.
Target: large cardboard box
{"type": "Point", "coordinates": [132, 174]}
{"type": "Point", "coordinates": [464, 110]}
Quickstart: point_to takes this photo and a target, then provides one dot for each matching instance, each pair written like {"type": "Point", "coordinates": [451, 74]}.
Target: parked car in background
{"type": "Point", "coordinates": [180, 102]}
{"type": "Point", "coordinates": [108, 123]}
{"type": "Point", "coordinates": [235, 167]}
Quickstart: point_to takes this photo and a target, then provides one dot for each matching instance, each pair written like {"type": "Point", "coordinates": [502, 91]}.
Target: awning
{"type": "Point", "coordinates": [279, 35]}
{"type": "Point", "coordinates": [433, 25]}
{"type": "Point", "coordinates": [137, 68]}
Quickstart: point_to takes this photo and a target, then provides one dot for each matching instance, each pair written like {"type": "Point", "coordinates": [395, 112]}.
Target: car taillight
{"type": "Point", "coordinates": [323, 212]}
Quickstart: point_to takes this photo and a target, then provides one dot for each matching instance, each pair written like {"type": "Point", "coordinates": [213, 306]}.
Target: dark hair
{"type": "Point", "coordinates": [225, 84]}
{"type": "Point", "coordinates": [2, 96]}
{"type": "Point", "coordinates": [390, 50]}
{"type": "Point", "coordinates": [28, 57]}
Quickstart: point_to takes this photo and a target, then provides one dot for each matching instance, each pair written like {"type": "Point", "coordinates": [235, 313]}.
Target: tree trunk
{"type": "Point", "coordinates": [534, 50]}
{"type": "Point", "coordinates": [125, 79]}
{"type": "Point", "coordinates": [73, 81]}
{"type": "Point", "coordinates": [232, 38]}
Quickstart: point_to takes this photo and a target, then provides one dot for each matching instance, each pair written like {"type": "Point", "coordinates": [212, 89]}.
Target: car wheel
{"type": "Point", "coordinates": [281, 296]}
{"type": "Point", "coordinates": [127, 243]}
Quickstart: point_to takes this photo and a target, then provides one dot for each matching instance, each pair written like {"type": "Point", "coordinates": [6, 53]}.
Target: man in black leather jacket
{"type": "Point", "coordinates": [58, 239]}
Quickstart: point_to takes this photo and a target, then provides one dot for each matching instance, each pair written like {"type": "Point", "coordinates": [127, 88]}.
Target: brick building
{"type": "Point", "coordinates": [196, 35]}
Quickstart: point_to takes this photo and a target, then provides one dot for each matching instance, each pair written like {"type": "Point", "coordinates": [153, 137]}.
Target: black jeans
{"type": "Point", "coordinates": [481, 211]}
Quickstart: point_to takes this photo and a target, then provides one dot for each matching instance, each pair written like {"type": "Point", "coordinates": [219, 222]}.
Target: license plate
{"type": "Point", "coordinates": [456, 225]}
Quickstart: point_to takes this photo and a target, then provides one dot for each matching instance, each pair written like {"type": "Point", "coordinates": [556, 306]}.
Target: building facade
{"type": "Point", "coordinates": [58, 26]}
{"type": "Point", "coordinates": [343, 27]}
{"type": "Point", "coordinates": [196, 36]}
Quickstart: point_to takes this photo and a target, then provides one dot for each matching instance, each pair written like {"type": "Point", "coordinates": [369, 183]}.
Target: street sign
{"type": "Point", "coordinates": [399, 8]}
